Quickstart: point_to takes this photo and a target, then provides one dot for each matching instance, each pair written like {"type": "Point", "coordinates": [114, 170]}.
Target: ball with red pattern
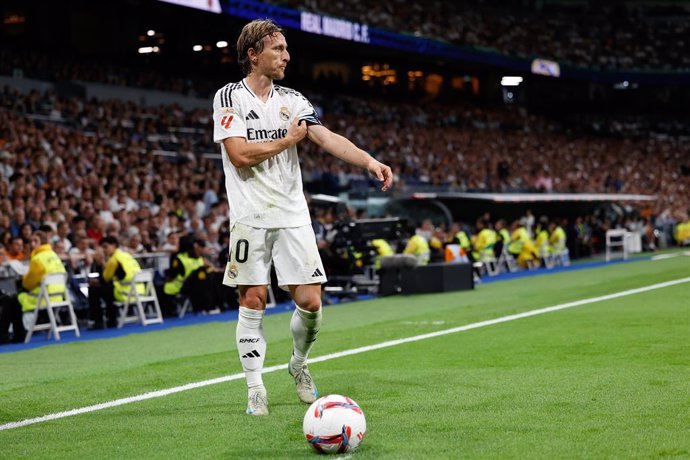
{"type": "Point", "coordinates": [334, 424]}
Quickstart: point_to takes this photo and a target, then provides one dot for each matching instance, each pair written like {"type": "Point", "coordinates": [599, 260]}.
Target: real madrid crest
{"type": "Point", "coordinates": [284, 113]}
{"type": "Point", "coordinates": [232, 271]}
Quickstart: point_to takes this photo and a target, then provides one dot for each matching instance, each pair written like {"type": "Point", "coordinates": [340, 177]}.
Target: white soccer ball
{"type": "Point", "coordinates": [334, 424]}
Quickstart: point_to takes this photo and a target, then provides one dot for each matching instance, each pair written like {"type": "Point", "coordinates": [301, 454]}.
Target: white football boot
{"type": "Point", "coordinates": [258, 401]}
{"type": "Point", "coordinates": [306, 388]}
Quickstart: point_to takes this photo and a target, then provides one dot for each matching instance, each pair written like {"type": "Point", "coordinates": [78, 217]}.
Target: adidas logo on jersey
{"type": "Point", "coordinates": [252, 354]}
{"type": "Point", "coordinates": [251, 116]}
{"type": "Point", "coordinates": [316, 273]}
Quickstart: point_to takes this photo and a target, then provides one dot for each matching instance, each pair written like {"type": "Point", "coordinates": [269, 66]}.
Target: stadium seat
{"type": "Point", "coordinates": [52, 303]}
{"type": "Point", "coordinates": [562, 258]}
{"type": "Point", "coordinates": [140, 302]}
{"type": "Point", "coordinates": [490, 264]}
{"type": "Point", "coordinates": [507, 261]}
{"type": "Point", "coordinates": [615, 240]}
{"type": "Point", "coordinates": [547, 256]}
{"type": "Point", "coordinates": [183, 305]}
{"type": "Point", "coordinates": [270, 297]}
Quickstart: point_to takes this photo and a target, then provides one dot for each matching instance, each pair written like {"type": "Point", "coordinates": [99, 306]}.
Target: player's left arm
{"type": "Point", "coordinates": [341, 147]}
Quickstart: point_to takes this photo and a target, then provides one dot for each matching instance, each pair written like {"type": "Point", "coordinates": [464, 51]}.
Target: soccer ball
{"type": "Point", "coordinates": [334, 424]}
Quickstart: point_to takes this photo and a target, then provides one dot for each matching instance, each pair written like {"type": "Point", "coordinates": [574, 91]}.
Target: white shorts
{"type": "Point", "coordinates": [293, 251]}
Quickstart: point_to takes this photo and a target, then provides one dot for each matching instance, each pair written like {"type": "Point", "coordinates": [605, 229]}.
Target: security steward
{"type": "Point", "coordinates": [418, 246]}
{"type": "Point", "coordinates": [113, 284]}
{"type": "Point", "coordinates": [44, 261]}
{"type": "Point", "coordinates": [187, 262]}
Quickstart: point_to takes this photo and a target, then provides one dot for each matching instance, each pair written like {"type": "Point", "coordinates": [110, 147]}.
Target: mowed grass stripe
{"type": "Point", "coordinates": [391, 343]}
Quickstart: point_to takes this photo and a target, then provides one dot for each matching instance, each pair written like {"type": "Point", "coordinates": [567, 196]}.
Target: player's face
{"type": "Point", "coordinates": [274, 57]}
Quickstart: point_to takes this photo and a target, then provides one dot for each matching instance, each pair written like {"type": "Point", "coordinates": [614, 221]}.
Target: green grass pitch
{"type": "Point", "coordinates": [604, 380]}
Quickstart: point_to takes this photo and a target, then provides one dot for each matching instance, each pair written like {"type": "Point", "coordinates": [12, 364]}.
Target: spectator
{"type": "Point", "coordinates": [16, 250]}
{"type": "Point", "coordinates": [96, 229]}
{"type": "Point", "coordinates": [18, 219]}
{"type": "Point", "coordinates": [82, 256]}
{"type": "Point", "coordinates": [61, 236]}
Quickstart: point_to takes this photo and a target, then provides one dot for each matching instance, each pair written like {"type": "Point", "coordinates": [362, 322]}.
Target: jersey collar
{"type": "Point", "coordinates": [246, 86]}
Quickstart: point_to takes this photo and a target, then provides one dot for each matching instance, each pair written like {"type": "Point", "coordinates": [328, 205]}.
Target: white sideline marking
{"type": "Point", "coordinates": [670, 256]}
{"type": "Point", "coordinates": [664, 256]}
{"type": "Point", "coordinates": [354, 351]}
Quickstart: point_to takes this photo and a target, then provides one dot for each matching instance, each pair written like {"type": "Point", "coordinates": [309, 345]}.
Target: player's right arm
{"type": "Point", "coordinates": [242, 153]}
{"type": "Point", "coordinates": [230, 129]}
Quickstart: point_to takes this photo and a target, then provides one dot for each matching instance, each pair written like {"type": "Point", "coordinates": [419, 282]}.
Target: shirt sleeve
{"type": "Point", "coordinates": [109, 269]}
{"type": "Point", "coordinates": [228, 120]}
{"type": "Point", "coordinates": [176, 268]}
{"type": "Point", "coordinates": [411, 246]}
{"type": "Point", "coordinates": [33, 277]}
{"type": "Point", "coordinates": [305, 111]}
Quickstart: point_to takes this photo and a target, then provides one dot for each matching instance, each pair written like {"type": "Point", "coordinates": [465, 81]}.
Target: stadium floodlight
{"type": "Point", "coordinates": [511, 81]}
{"type": "Point", "coordinates": [151, 32]}
{"type": "Point", "coordinates": [149, 49]}
{"type": "Point", "coordinates": [222, 44]}
{"type": "Point", "coordinates": [197, 47]}
{"type": "Point", "coordinates": [625, 84]}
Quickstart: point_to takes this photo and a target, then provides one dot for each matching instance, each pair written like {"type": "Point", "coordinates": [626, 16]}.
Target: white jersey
{"type": "Point", "coordinates": [269, 194]}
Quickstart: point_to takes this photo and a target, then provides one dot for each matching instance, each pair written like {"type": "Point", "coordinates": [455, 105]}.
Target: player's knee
{"type": "Point", "coordinates": [255, 302]}
{"type": "Point", "coordinates": [310, 303]}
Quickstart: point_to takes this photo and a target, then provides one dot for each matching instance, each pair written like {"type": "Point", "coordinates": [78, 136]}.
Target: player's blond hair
{"type": "Point", "coordinates": [252, 36]}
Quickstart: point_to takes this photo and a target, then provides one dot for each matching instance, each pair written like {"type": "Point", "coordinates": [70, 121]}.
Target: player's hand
{"type": "Point", "coordinates": [381, 172]}
{"type": "Point", "coordinates": [297, 131]}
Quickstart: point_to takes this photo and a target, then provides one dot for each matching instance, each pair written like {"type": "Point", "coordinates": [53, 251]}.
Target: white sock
{"type": "Point", "coordinates": [305, 327]}
{"type": "Point", "coordinates": [251, 344]}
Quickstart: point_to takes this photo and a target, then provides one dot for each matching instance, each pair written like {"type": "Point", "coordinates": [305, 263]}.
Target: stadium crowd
{"type": "Point", "coordinates": [609, 35]}
{"type": "Point", "coordinates": [63, 67]}
{"type": "Point", "coordinates": [124, 169]}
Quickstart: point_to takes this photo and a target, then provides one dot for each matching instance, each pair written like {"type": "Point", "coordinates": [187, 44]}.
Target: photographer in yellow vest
{"type": "Point", "coordinates": [44, 261]}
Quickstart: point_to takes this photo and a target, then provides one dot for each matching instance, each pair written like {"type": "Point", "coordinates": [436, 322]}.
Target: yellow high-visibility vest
{"type": "Point", "coordinates": [48, 261]}
{"type": "Point", "coordinates": [418, 247]}
{"type": "Point", "coordinates": [173, 287]}
{"type": "Point", "coordinates": [130, 266]}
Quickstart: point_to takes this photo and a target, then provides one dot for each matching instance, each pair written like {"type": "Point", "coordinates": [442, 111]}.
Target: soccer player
{"type": "Point", "coordinates": [258, 125]}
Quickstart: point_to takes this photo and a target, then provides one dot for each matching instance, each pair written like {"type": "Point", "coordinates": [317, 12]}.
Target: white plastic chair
{"type": "Point", "coordinates": [51, 303]}
{"type": "Point", "coordinates": [563, 258]}
{"type": "Point", "coordinates": [616, 238]}
{"type": "Point", "coordinates": [489, 262]}
{"type": "Point", "coordinates": [547, 256]}
{"type": "Point", "coordinates": [507, 260]}
{"type": "Point", "coordinates": [183, 305]}
{"type": "Point", "coordinates": [140, 301]}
